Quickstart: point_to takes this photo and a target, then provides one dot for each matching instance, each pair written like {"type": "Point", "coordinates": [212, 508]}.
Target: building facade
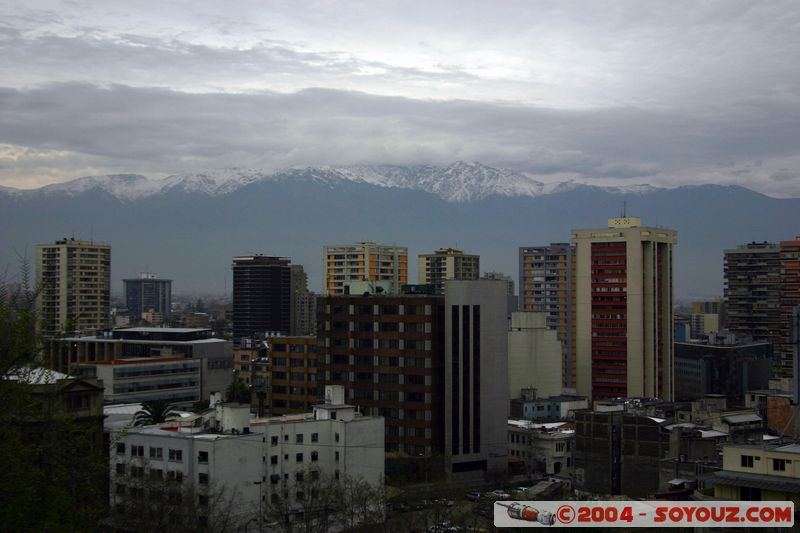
{"type": "Point", "coordinates": [731, 370]}
{"type": "Point", "coordinates": [534, 356]}
{"type": "Point", "coordinates": [790, 299]}
{"type": "Point", "coordinates": [364, 261]}
{"type": "Point", "coordinates": [543, 449]}
{"type": "Point", "coordinates": [476, 399]}
{"type": "Point", "coordinates": [303, 305]}
{"type": "Point", "coordinates": [75, 281]}
{"type": "Point", "coordinates": [148, 294]}
{"type": "Point", "coordinates": [753, 292]}
{"type": "Point", "coordinates": [142, 379]}
{"type": "Point", "coordinates": [143, 346]}
{"type": "Point", "coordinates": [445, 264]}
{"type": "Point", "coordinates": [266, 464]}
{"type": "Point", "coordinates": [387, 353]}
{"type": "Point", "coordinates": [262, 296]}
{"type": "Point", "coordinates": [547, 285]}
{"type": "Point", "coordinates": [624, 316]}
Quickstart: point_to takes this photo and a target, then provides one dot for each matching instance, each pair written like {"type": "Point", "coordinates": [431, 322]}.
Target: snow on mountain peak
{"type": "Point", "coordinates": [459, 182]}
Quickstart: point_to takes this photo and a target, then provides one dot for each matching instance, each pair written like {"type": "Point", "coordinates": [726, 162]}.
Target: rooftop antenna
{"type": "Point", "coordinates": [624, 208]}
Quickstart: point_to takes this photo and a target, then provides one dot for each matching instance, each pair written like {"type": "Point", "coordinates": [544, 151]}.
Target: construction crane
{"type": "Point", "coordinates": [529, 514]}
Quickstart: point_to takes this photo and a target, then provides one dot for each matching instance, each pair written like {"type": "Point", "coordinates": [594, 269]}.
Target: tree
{"type": "Point", "coordinates": [238, 392]}
{"type": "Point", "coordinates": [153, 412]}
{"type": "Point", "coordinates": [53, 469]}
{"type": "Point", "coordinates": [146, 500]}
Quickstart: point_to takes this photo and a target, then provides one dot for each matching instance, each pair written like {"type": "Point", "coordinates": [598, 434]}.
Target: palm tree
{"type": "Point", "coordinates": [153, 412]}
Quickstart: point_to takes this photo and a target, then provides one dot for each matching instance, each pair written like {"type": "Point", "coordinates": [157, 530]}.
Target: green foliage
{"type": "Point", "coordinates": [53, 471]}
{"type": "Point", "coordinates": [153, 412]}
{"type": "Point", "coordinates": [238, 391]}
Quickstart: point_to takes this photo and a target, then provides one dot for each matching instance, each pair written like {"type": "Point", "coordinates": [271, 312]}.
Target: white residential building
{"type": "Point", "coordinates": [264, 459]}
{"type": "Point", "coordinates": [542, 448]}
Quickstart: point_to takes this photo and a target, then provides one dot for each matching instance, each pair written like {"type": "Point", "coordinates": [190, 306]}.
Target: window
{"type": "Point", "coordinates": [121, 448]}
{"type": "Point", "coordinates": [299, 438]}
{"type": "Point", "coordinates": [779, 465]}
{"type": "Point", "coordinates": [747, 461]}
{"type": "Point", "coordinates": [137, 451]}
{"type": "Point", "coordinates": [298, 476]}
{"type": "Point", "coordinates": [176, 455]}
{"type": "Point", "coordinates": [175, 475]}
{"type": "Point", "coordinates": [202, 478]}
{"type": "Point", "coordinates": [336, 474]}
{"type": "Point", "coordinates": [156, 453]}
{"type": "Point", "coordinates": [121, 469]}
{"type": "Point", "coordinates": [120, 489]}
{"type": "Point", "coordinates": [336, 456]}
{"type": "Point", "coordinates": [300, 495]}
{"type": "Point", "coordinates": [202, 457]}
{"type": "Point", "coordinates": [315, 437]}
{"type": "Point", "coordinates": [314, 456]}
{"type": "Point", "coordinates": [137, 471]}
{"type": "Point", "coordinates": [748, 494]}
{"type": "Point", "coordinates": [274, 441]}
{"type": "Point", "coordinates": [202, 500]}
{"type": "Point", "coordinates": [156, 474]}
{"type": "Point", "coordinates": [298, 457]}
{"type": "Point", "coordinates": [336, 437]}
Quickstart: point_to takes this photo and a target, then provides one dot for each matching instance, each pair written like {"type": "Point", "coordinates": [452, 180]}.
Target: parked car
{"type": "Point", "coordinates": [474, 496]}
{"type": "Point", "coordinates": [500, 495]}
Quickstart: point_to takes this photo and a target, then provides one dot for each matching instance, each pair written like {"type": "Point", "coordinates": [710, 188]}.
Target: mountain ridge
{"type": "Point", "coordinates": [460, 182]}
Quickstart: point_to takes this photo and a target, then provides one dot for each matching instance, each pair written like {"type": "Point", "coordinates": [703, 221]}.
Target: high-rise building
{"type": "Point", "coordinates": [148, 294]}
{"type": "Point", "coordinates": [387, 352]}
{"type": "Point", "coordinates": [262, 299]}
{"type": "Point", "coordinates": [75, 282]}
{"type": "Point", "coordinates": [364, 261]}
{"type": "Point", "coordinates": [303, 319]}
{"type": "Point", "coordinates": [624, 295]}
{"type": "Point", "coordinates": [790, 299]}
{"type": "Point", "coordinates": [753, 292]}
{"type": "Point", "coordinates": [476, 398]}
{"type": "Point", "coordinates": [547, 285]}
{"type": "Point", "coordinates": [445, 264]}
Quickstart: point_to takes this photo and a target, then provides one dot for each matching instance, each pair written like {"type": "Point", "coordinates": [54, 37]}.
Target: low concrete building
{"type": "Point", "coordinates": [215, 355]}
{"type": "Point", "coordinates": [262, 463]}
{"type": "Point", "coordinates": [529, 406]}
{"type": "Point", "coordinates": [541, 449]}
{"type": "Point", "coordinates": [142, 379]}
{"type": "Point", "coordinates": [759, 472]}
{"type": "Point", "coordinates": [617, 453]}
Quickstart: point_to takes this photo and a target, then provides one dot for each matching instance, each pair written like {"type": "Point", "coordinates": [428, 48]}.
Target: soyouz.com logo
{"type": "Point", "coordinates": [643, 514]}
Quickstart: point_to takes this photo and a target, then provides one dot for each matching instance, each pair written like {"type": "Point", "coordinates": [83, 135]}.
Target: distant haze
{"type": "Point", "coordinates": [188, 227]}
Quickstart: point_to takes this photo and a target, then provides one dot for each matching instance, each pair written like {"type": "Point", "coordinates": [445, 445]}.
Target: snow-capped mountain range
{"type": "Point", "coordinates": [459, 182]}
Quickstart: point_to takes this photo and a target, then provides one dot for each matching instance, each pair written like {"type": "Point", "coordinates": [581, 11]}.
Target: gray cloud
{"type": "Point", "coordinates": [122, 128]}
{"type": "Point", "coordinates": [665, 92]}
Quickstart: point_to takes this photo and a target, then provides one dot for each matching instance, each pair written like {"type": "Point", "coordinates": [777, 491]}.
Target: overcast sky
{"type": "Point", "coordinates": [661, 92]}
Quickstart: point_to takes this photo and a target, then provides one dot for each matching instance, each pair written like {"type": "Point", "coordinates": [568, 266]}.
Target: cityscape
{"type": "Point", "coordinates": [336, 268]}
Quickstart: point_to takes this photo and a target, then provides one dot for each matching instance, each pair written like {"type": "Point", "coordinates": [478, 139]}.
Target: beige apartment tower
{"type": "Point", "coordinates": [624, 300]}
{"type": "Point", "coordinates": [364, 261]}
{"type": "Point", "coordinates": [75, 286]}
{"type": "Point", "coordinates": [447, 264]}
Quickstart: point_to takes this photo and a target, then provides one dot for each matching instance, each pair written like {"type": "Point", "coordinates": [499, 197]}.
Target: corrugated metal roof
{"type": "Point", "coordinates": [758, 481]}
{"type": "Point", "coordinates": [742, 419]}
